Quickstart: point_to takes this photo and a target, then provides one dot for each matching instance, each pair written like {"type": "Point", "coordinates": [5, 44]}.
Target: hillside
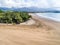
{"type": "Point", "coordinates": [31, 9]}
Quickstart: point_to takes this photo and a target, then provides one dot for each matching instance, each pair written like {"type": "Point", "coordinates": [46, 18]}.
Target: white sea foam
{"type": "Point", "coordinates": [53, 16]}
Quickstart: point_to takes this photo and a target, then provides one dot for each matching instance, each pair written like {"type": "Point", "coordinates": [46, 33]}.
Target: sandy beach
{"type": "Point", "coordinates": [41, 32]}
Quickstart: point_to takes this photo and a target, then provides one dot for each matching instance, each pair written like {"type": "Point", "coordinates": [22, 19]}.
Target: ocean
{"type": "Point", "coordinates": [53, 16]}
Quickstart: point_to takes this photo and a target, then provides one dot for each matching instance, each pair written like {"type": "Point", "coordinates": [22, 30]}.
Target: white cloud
{"type": "Point", "coordinates": [30, 3]}
{"type": "Point", "coordinates": [56, 3]}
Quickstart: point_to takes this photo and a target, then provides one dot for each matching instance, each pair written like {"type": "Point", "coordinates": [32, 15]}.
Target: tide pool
{"type": "Point", "coordinates": [53, 16]}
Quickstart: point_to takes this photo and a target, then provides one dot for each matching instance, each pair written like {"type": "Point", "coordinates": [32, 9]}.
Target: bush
{"type": "Point", "coordinates": [1, 11]}
{"type": "Point", "coordinates": [24, 16]}
{"type": "Point", "coordinates": [14, 17]}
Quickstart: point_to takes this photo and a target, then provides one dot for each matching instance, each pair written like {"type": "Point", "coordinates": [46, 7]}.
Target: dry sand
{"type": "Point", "coordinates": [42, 32]}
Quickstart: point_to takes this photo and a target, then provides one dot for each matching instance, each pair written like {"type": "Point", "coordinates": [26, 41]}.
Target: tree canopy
{"type": "Point", "coordinates": [14, 17]}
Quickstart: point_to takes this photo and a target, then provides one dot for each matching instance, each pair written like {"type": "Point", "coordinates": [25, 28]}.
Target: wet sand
{"type": "Point", "coordinates": [46, 34]}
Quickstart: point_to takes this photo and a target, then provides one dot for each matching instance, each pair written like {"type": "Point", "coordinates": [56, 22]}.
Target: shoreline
{"type": "Point", "coordinates": [34, 14]}
{"type": "Point", "coordinates": [32, 21]}
{"type": "Point", "coordinates": [30, 35]}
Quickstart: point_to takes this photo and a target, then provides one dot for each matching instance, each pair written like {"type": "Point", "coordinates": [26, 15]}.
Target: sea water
{"type": "Point", "coordinates": [53, 16]}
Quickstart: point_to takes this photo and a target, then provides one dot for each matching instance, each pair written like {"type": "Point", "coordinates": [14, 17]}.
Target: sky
{"type": "Point", "coordinates": [30, 3]}
{"type": "Point", "coordinates": [55, 4]}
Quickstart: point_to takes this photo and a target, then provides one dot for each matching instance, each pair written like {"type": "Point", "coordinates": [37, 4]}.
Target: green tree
{"type": "Point", "coordinates": [14, 17]}
{"type": "Point", "coordinates": [25, 16]}
{"type": "Point", "coordinates": [1, 11]}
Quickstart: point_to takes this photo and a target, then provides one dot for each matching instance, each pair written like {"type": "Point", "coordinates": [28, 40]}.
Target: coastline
{"type": "Point", "coordinates": [31, 35]}
{"type": "Point", "coordinates": [46, 21]}
{"type": "Point", "coordinates": [47, 18]}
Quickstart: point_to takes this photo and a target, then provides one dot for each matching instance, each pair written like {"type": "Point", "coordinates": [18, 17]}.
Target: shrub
{"type": "Point", "coordinates": [14, 17]}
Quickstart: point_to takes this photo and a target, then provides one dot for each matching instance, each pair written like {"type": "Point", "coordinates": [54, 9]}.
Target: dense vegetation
{"type": "Point", "coordinates": [13, 17]}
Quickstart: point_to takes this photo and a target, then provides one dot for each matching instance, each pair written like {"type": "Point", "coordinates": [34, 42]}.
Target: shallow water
{"type": "Point", "coordinates": [53, 16]}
